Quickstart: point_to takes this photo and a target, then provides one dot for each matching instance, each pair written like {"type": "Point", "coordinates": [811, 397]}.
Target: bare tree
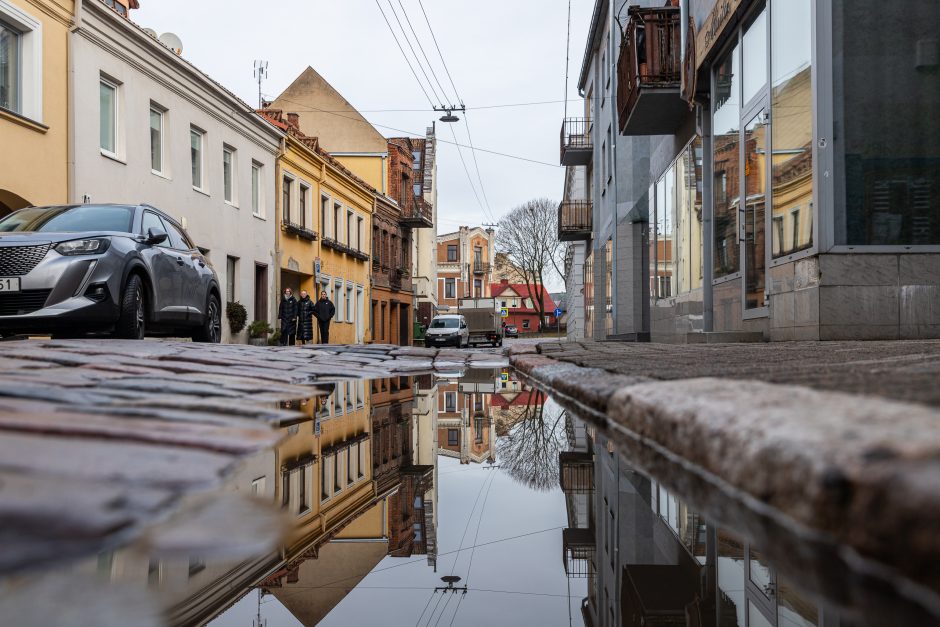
{"type": "Point", "coordinates": [529, 452]}
{"type": "Point", "coordinates": [528, 237]}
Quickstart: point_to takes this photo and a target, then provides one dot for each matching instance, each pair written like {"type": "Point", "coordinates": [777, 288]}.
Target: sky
{"type": "Point", "coordinates": [498, 52]}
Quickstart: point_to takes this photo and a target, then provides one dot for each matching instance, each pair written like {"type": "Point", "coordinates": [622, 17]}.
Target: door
{"type": "Point", "coordinates": [195, 283]}
{"type": "Point", "coordinates": [752, 211]}
{"type": "Point", "coordinates": [404, 322]}
{"type": "Point", "coordinates": [166, 274]}
{"type": "Point", "coordinates": [261, 293]}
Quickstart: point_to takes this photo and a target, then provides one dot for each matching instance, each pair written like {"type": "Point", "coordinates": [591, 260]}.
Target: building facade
{"type": "Point", "coordinates": [521, 303]}
{"type": "Point", "coordinates": [149, 127]}
{"type": "Point", "coordinates": [34, 85]}
{"type": "Point", "coordinates": [786, 186]}
{"type": "Point", "coordinates": [465, 261]}
{"type": "Point", "coordinates": [424, 245]}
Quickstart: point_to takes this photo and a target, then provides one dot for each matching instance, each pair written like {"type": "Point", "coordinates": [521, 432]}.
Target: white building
{"type": "Point", "coordinates": [148, 127]}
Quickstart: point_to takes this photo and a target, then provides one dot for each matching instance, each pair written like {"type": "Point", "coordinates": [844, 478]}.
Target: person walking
{"type": "Point", "coordinates": [287, 315]}
{"type": "Point", "coordinates": [305, 317]}
{"type": "Point", "coordinates": [324, 311]}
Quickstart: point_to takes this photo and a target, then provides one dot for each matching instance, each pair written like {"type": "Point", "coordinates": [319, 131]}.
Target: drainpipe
{"type": "Point", "coordinates": [281, 151]}
{"type": "Point", "coordinates": [615, 246]}
{"type": "Point", "coordinates": [71, 189]}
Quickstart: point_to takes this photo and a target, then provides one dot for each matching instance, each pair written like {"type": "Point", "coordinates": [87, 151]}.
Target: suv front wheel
{"type": "Point", "coordinates": [211, 328]}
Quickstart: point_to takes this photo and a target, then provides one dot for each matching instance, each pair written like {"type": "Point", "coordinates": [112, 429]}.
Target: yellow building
{"type": "Point", "coordinates": [325, 214]}
{"type": "Point", "coordinates": [34, 123]}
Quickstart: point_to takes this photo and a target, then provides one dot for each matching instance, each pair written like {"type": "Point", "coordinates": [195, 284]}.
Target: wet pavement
{"type": "Point", "coordinates": [452, 496]}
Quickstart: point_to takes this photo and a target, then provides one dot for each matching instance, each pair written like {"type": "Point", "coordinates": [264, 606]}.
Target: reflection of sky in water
{"type": "Point", "coordinates": [530, 564]}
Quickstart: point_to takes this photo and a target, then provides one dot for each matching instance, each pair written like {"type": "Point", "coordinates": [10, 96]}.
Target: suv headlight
{"type": "Point", "coordinates": [91, 246]}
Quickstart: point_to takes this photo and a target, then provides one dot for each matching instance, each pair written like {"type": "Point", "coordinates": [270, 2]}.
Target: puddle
{"type": "Point", "coordinates": [455, 499]}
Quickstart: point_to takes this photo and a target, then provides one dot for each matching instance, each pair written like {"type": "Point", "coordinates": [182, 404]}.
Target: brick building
{"type": "Point", "coordinates": [465, 262]}
{"type": "Point", "coordinates": [519, 300]}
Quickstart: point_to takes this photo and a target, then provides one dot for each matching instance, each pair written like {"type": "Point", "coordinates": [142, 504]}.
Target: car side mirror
{"type": "Point", "coordinates": [155, 236]}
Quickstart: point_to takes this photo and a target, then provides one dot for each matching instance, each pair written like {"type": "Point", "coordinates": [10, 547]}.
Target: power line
{"type": "Point", "coordinates": [421, 48]}
{"type": "Point", "coordinates": [473, 152]}
{"type": "Point", "coordinates": [434, 37]}
{"type": "Point", "coordinates": [415, 74]}
{"type": "Point", "coordinates": [306, 107]}
{"type": "Point", "coordinates": [412, 48]}
{"type": "Point", "coordinates": [506, 105]}
{"type": "Point", "coordinates": [469, 180]}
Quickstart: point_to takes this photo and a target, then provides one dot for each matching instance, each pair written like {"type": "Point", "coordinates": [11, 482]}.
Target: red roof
{"type": "Point", "coordinates": [523, 291]}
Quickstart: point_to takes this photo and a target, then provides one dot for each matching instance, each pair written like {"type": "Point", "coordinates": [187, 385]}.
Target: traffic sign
{"type": "Point", "coordinates": [504, 376]}
{"type": "Point", "coordinates": [558, 312]}
{"type": "Point", "coordinates": [503, 312]}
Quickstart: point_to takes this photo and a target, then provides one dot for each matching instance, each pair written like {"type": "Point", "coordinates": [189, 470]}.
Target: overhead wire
{"type": "Point", "coordinates": [395, 37]}
{"type": "Point", "coordinates": [421, 48]}
{"type": "Point", "coordinates": [467, 172]}
{"type": "Point", "coordinates": [443, 62]}
{"type": "Point", "coordinates": [410, 47]}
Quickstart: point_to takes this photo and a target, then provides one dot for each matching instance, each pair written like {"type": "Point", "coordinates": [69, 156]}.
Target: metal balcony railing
{"type": "Point", "coordinates": [577, 147]}
{"type": "Point", "coordinates": [576, 471]}
{"type": "Point", "coordinates": [649, 73]}
{"type": "Point", "coordinates": [575, 220]}
{"type": "Point", "coordinates": [419, 215]}
{"type": "Point", "coordinates": [299, 230]}
{"type": "Point", "coordinates": [481, 268]}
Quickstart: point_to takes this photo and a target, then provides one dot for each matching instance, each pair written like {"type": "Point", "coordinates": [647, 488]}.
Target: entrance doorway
{"type": "Point", "coordinates": [404, 322]}
{"type": "Point", "coordinates": [261, 293]}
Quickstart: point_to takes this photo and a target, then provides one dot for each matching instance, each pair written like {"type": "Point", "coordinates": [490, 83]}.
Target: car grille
{"type": "Point", "coordinates": [19, 260]}
{"type": "Point", "coordinates": [19, 303]}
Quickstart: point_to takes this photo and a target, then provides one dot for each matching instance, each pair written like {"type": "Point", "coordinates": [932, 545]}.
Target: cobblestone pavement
{"type": "Point", "coordinates": [838, 438]}
{"type": "Point", "coordinates": [105, 437]}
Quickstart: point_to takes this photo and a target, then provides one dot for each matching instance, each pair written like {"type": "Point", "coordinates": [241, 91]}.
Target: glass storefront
{"type": "Point", "coordinates": [886, 79]}
{"type": "Point", "coordinates": [726, 123]}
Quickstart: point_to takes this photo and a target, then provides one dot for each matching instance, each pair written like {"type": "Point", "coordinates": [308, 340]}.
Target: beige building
{"type": "Point", "coordinates": [34, 129]}
{"type": "Point", "coordinates": [465, 261]}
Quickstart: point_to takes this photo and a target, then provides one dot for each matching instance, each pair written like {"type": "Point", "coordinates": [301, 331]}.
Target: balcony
{"type": "Point", "coordinates": [300, 231]}
{"type": "Point", "coordinates": [419, 216]}
{"type": "Point", "coordinates": [576, 472]}
{"type": "Point", "coordinates": [649, 73]}
{"type": "Point", "coordinates": [480, 268]}
{"type": "Point", "coordinates": [578, 550]}
{"type": "Point", "coordinates": [575, 220]}
{"type": "Point", "coordinates": [576, 145]}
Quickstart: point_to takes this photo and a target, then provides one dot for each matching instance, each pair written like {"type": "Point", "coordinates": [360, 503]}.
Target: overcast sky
{"type": "Point", "coordinates": [498, 51]}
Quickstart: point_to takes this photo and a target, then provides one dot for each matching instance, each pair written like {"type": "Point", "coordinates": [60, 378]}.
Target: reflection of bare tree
{"type": "Point", "coordinates": [529, 451]}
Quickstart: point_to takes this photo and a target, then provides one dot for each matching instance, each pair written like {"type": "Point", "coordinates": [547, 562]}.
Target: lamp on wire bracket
{"type": "Point", "coordinates": [449, 112]}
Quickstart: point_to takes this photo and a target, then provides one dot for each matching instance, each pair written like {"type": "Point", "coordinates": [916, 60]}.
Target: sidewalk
{"type": "Point", "coordinates": [841, 438]}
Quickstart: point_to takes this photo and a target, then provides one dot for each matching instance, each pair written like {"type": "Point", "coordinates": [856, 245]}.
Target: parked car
{"type": "Point", "coordinates": [448, 329]}
{"type": "Point", "coordinates": [121, 269]}
{"type": "Point", "coordinates": [511, 330]}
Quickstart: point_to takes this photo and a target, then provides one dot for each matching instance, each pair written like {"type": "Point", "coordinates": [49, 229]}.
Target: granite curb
{"type": "Point", "coordinates": [868, 475]}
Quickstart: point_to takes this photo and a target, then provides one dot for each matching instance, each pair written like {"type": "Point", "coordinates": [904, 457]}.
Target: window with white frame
{"type": "Point", "coordinates": [337, 220]}
{"type": "Point", "coordinates": [339, 299]}
{"type": "Point", "coordinates": [197, 139]}
{"type": "Point", "coordinates": [108, 116]}
{"type": "Point", "coordinates": [348, 305]}
{"type": "Point", "coordinates": [257, 180]}
{"type": "Point", "coordinates": [228, 174]}
{"type": "Point", "coordinates": [359, 234]}
{"type": "Point", "coordinates": [349, 228]}
{"type": "Point", "coordinates": [157, 117]}
{"type": "Point", "coordinates": [20, 62]}
{"type": "Point", "coordinates": [231, 272]}
{"type": "Point", "coordinates": [287, 188]}
{"type": "Point", "coordinates": [450, 402]}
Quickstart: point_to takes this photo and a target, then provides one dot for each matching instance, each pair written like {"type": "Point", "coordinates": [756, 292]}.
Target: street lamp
{"type": "Point", "coordinates": [449, 112]}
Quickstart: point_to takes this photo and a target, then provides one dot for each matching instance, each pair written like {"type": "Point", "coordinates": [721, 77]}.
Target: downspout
{"type": "Point", "coordinates": [71, 189]}
{"type": "Point", "coordinates": [614, 122]}
{"type": "Point", "coordinates": [281, 151]}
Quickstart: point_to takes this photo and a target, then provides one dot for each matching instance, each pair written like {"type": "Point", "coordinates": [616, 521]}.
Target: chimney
{"type": "Point", "coordinates": [293, 119]}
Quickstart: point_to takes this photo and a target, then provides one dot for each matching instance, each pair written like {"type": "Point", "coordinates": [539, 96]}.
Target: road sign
{"type": "Point", "coordinates": [558, 312]}
{"type": "Point", "coordinates": [504, 376]}
{"type": "Point", "coordinates": [503, 312]}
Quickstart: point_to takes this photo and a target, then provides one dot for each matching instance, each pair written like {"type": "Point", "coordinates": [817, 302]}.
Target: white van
{"type": "Point", "coordinates": [448, 330]}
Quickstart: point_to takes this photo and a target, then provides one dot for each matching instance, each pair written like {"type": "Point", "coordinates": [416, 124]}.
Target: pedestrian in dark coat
{"type": "Point", "coordinates": [305, 317]}
{"type": "Point", "coordinates": [324, 311]}
{"type": "Point", "coordinates": [287, 315]}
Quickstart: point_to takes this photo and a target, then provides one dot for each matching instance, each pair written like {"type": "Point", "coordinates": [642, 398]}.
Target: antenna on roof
{"type": "Point", "coordinates": [172, 41]}
{"type": "Point", "coordinates": [261, 73]}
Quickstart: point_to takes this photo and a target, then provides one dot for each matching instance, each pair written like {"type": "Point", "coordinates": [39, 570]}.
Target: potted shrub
{"type": "Point", "coordinates": [275, 338]}
{"type": "Point", "coordinates": [237, 317]}
{"type": "Point", "coordinates": [258, 332]}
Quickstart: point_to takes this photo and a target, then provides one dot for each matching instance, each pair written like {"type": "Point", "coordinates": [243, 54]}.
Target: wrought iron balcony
{"type": "Point", "coordinates": [578, 551]}
{"type": "Point", "coordinates": [299, 230]}
{"type": "Point", "coordinates": [649, 73]}
{"type": "Point", "coordinates": [577, 148]}
{"type": "Point", "coordinates": [576, 472]}
{"type": "Point", "coordinates": [481, 268]}
{"type": "Point", "coordinates": [420, 215]}
{"type": "Point", "coordinates": [575, 220]}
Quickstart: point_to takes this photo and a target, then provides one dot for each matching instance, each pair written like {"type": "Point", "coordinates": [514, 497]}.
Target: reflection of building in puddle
{"type": "Point", "coordinates": [465, 429]}
{"type": "Point", "coordinates": [353, 473]}
{"type": "Point", "coordinates": [650, 560]}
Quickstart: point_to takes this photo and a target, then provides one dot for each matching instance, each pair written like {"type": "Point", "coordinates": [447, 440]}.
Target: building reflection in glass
{"type": "Point", "coordinates": [651, 560]}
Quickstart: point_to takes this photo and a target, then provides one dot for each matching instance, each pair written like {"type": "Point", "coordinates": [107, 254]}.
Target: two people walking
{"type": "Point", "coordinates": [296, 317]}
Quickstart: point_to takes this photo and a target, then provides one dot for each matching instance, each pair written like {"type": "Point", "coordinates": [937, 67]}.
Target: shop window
{"type": "Point", "coordinates": [725, 155]}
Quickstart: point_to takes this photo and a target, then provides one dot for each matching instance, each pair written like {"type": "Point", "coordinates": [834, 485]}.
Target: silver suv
{"type": "Point", "coordinates": [121, 269]}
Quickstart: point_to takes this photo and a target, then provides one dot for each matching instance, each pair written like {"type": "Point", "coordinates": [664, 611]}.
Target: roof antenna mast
{"type": "Point", "coordinates": [261, 73]}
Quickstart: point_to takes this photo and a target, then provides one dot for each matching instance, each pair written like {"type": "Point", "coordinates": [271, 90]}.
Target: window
{"type": "Point", "coordinates": [156, 139]}
{"type": "Point", "coordinates": [302, 205]}
{"type": "Point", "coordinates": [228, 174]}
{"type": "Point", "coordinates": [338, 299]}
{"type": "Point", "coordinates": [324, 479]}
{"type": "Point", "coordinates": [231, 271]}
{"type": "Point", "coordinates": [349, 228]}
{"type": "Point", "coordinates": [337, 219]}
{"type": "Point", "coordinates": [286, 184]}
{"type": "Point", "coordinates": [336, 483]}
{"type": "Point", "coordinates": [725, 155]}
{"type": "Point", "coordinates": [347, 305]}
{"type": "Point", "coordinates": [451, 252]}
{"type": "Point", "coordinates": [450, 402]}
{"type": "Point", "coordinates": [257, 486]}
{"type": "Point", "coordinates": [196, 140]}
{"type": "Point", "coordinates": [353, 452]}
{"type": "Point", "coordinates": [359, 234]}
{"type": "Point", "coordinates": [10, 67]}
{"type": "Point", "coordinates": [452, 437]}
{"type": "Point", "coordinates": [525, 323]}
{"type": "Point", "coordinates": [108, 117]}
{"type": "Point", "coordinates": [324, 214]}
{"type": "Point", "coordinates": [477, 288]}
{"type": "Point", "coordinates": [450, 288]}
{"type": "Point", "coordinates": [256, 182]}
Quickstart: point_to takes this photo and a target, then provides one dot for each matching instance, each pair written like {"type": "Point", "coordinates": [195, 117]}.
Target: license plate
{"type": "Point", "coordinates": [9, 284]}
